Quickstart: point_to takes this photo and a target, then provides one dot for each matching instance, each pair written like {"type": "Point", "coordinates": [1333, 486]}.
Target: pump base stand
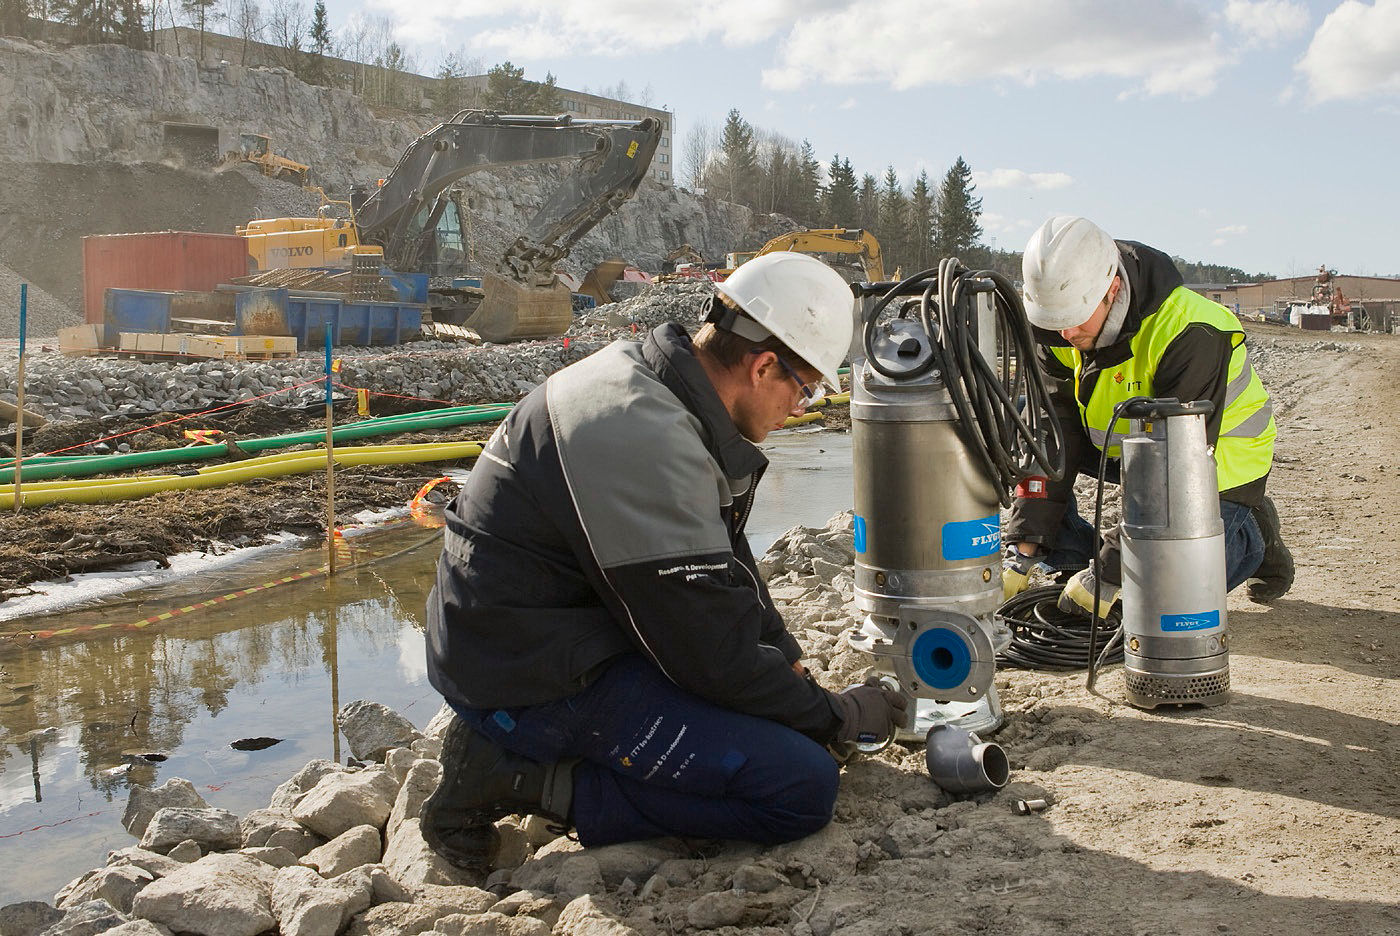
{"type": "Point", "coordinates": [983, 717]}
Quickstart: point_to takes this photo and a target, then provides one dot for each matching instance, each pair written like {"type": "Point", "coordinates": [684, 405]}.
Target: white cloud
{"type": "Point", "coordinates": [1218, 242]}
{"type": "Point", "coordinates": [1232, 229]}
{"type": "Point", "coordinates": [1019, 178]}
{"type": "Point", "coordinates": [1166, 47]}
{"type": "Point", "coordinates": [1354, 54]}
{"type": "Point", "coordinates": [848, 104]}
{"type": "Point", "coordinates": [1267, 22]}
{"type": "Point", "coordinates": [994, 223]}
{"type": "Point", "coordinates": [553, 28]}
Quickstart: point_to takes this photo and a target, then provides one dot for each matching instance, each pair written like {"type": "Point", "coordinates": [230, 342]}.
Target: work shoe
{"type": "Point", "coordinates": [1274, 576]}
{"type": "Point", "coordinates": [481, 783]}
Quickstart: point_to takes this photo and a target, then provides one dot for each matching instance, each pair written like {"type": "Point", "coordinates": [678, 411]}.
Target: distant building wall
{"type": "Point", "coordinates": [1251, 297]}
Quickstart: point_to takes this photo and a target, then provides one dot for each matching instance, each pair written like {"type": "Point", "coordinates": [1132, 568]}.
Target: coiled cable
{"type": "Point", "coordinates": [1045, 638]}
{"type": "Point", "coordinates": [1003, 408]}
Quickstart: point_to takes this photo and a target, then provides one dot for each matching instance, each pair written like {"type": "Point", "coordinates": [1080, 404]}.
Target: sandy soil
{"type": "Point", "coordinates": [1277, 813]}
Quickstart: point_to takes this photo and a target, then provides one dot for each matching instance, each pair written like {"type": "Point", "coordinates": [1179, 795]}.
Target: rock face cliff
{"type": "Point", "coordinates": [83, 149]}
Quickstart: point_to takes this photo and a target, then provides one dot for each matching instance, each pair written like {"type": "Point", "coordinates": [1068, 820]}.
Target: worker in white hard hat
{"type": "Point", "coordinates": [1113, 321]}
{"type": "Point", "coordinates": [599, 628]}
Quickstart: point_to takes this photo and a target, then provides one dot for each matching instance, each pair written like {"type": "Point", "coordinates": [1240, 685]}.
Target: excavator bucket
{"type": "Point", "coordinates": [512, 311]}
{"type": "Point", "coordinates": [601, 278]}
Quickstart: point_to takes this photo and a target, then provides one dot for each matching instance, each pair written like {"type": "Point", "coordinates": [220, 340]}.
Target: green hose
{"type": "Point", "coordinates": [42, 467]}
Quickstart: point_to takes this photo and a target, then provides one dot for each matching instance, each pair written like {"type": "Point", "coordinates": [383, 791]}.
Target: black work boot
{"type": "Point", "coordinates": [481, 783]}
{"type": "Point", "coordinates": [1274, 576]}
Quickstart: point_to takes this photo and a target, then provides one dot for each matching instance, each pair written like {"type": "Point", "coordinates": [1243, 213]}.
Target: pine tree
{"type": "Point", "coordinates": [105, 20]}
{"type": "Point", "coordinates": [740, 159]}
{"type": "Point", "coordinates": [841, 193]}
{"type": "Point", "coordinates": [921, 210]}
{"type": "Point", "coordinates": [200, 12]}
{"type": "Point", "coordinates": [317, 68]}
{"type": "Point", "coordinates": [894, 222]}
{"type": "Point", "coordinates": [806, 202]}
{"type": "Point", "coordinates": [544, 98]}
{"type": "Point", "coordinates": [507, 91]}
{"type": "Point", "coordinates": [868, 203]}
{"type": "Point", "coordinates": [956, 229]}
{"type": "Point", "coordinates": [14, 18]}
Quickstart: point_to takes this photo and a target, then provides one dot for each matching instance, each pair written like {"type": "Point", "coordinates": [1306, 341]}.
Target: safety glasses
{"type": "Point", "coordinates": [812, 392]}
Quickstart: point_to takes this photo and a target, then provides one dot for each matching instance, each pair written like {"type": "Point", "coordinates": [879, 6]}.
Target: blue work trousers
{"type": "Point", "coordinates": [1244, 543]}
{"type": "Point", "coordinates": [658, 761]}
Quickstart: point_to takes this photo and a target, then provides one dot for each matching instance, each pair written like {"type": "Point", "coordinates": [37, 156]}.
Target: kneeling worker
{"type": "Point", "coordinates": [598, 624]}
{"type": "Point", "coordinates": [1114, 321]}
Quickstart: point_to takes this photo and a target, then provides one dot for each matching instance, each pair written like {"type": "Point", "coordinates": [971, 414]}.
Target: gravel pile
{"type": "Point", "coordinates": [60, 388]}
{"type": "Point", "coordinates": [45, 315]}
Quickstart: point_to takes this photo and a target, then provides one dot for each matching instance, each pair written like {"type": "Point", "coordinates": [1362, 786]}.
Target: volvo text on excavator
{"type": "Point", "coordinates": [404, 215]}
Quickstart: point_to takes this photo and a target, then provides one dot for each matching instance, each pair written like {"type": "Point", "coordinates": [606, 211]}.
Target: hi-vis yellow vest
{"type": "Point", "coordinates": [1246, 446]}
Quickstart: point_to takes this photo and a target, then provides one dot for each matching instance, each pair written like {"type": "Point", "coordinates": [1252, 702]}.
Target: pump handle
{"type": "Point", "coordinates": [1162, 407]}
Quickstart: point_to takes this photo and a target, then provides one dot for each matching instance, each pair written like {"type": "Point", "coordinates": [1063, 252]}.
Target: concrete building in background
{"type": "Point", "coordinates": [416, 94]}
{"type": "Point", "coordinates": [1378, 295]}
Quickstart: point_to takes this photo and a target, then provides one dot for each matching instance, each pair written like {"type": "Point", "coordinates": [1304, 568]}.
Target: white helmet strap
{"type": "Point", "coordinates": [732, 320]}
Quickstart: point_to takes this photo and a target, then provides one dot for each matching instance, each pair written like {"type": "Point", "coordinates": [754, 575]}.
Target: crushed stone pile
{"type": "Point", "coordinates": [62, 388]}
{"type": "Point", "coordinates": [44, 314]}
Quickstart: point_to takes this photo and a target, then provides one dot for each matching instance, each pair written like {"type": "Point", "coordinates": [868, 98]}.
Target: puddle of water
{"type": "Point", "coordinates": [275, 663]}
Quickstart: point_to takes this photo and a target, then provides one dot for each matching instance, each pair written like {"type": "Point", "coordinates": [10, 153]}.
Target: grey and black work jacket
{"type": "Point", "coordinates": [606, 516]}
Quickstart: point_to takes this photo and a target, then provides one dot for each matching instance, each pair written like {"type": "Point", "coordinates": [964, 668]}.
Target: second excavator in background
{"type": "Point", "coordinates": [848, 241]}
{"type": "Point", "coordinates": [411, 216]}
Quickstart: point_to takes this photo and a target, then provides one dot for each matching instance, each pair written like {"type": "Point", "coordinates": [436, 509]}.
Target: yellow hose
{"type": "Point", "coordinates": [88, 491]}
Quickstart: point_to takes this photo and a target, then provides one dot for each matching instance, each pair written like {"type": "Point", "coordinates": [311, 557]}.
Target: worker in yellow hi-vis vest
{"type": "Point", "coordinates": [1113, 321]}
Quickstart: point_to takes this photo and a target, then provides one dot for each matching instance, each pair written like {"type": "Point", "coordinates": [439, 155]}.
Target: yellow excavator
{"type": "Point", "coordinates": [829, 241]}
{"type": "Point", "coordinates": [412, 218]}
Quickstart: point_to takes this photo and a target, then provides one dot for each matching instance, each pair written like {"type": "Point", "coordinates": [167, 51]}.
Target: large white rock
{"type": "Point", "coordinates": [136, 856]}
{"type": "Point", "coordinates": [490, 924]}
{"type": "Point", "coordinates": [116, 884]}
{"type": "Point", "coordinates": [87, 919]}
{"type": "Point", "coordinates": [213, 829]}
{"type": "Point", "coordinates": [302, 782]}
{"type": "Point", "coordinates": [583, 917]}
{"type": "Point", "coordinates": [372, 729]}
{"type": "Point", "coordinates": [143, 802]}
{"type": "Point", "coordinates": [306, 904]}
{"type": "Point", "coordinates": [418, 784]}
{"type": "Point", "coordinates": [351, 849]}
{"type": "Point", "coordinates": [410, 861]}
{"type": "Point", "coordinates": [341, 801]}
{"type": "Point", "coordinates": [218, 895]}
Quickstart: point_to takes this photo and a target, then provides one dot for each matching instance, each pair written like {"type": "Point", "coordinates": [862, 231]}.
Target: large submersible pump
{"type": "Point", "coordinates": [948, 414]}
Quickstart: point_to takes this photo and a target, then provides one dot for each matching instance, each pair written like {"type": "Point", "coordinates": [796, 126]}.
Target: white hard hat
{"type": "Point", "coordinates": [799, 300]}
{"type": "Point", "coordinates": [1067, 268]}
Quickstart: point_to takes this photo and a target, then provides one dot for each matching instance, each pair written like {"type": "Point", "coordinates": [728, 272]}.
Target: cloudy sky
{"type": "Point", "coordinates": [1263, 134]}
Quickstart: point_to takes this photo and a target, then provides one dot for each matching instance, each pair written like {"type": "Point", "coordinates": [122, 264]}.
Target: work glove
{"type": "Point", "coordinates": [1078, 595]}
{"type": "Point", "coordinates": [871, 712]}
{"type": "Point", "coordinates": [1016, 572]}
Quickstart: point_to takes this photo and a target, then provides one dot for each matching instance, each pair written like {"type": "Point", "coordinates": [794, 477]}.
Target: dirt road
{"type": "Point", "coordinates": [1276, 813]}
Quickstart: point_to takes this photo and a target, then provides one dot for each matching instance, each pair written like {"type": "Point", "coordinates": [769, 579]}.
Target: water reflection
{"type": "Point", "coordinates": [276, 663]}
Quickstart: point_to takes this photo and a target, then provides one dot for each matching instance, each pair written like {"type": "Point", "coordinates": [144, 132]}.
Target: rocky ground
{"type": "Point", "coordinates": [1276, 813]}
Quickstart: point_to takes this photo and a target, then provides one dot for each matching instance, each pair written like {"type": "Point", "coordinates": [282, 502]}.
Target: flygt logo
{"type": "Point", "coordinates": [290, 251]}
{"type": "Point", "coordinates": [1201, 620]}
{"type": "Point", "coordinates": [971, 539]}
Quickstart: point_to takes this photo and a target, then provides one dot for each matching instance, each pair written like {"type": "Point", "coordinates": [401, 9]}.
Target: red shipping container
{"type": "Point", "coordinates": [161, 260]}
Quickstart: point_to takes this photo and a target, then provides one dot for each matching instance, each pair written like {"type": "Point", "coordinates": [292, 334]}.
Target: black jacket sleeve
{"type": "Point", "coordinates": [1037, 519]}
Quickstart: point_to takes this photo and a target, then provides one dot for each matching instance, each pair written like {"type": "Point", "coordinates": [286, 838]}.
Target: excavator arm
{"type": "Point", "coordinates": [833, 240]}
{"type": "Point", "coordinates": [522, 299]}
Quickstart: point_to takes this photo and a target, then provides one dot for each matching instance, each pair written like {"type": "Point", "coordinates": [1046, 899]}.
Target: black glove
{"type": "Point", "coordinates": [871, 712]}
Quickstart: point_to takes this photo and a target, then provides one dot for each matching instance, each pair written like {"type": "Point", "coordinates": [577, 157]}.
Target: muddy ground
{"type": "Point", "coordinates": [1276, 813]}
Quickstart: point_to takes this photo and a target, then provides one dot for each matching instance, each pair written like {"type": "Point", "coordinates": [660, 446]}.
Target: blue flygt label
{"type": "Point", "coordinates": [859, 528]}
{"type": "Point", "coordinates": [972, 539]}
{"type": "Point", "coordinates": [1203, 620]}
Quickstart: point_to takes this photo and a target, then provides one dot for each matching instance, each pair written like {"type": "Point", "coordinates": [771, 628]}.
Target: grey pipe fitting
{"type": "Point", "coordinates": [960, 762]}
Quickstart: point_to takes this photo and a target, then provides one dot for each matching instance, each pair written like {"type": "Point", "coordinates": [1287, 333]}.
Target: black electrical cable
{"type": "Point", "coordinates": [1044, 637]}
{"type": "Point", "coordinates": [1004, 414]}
